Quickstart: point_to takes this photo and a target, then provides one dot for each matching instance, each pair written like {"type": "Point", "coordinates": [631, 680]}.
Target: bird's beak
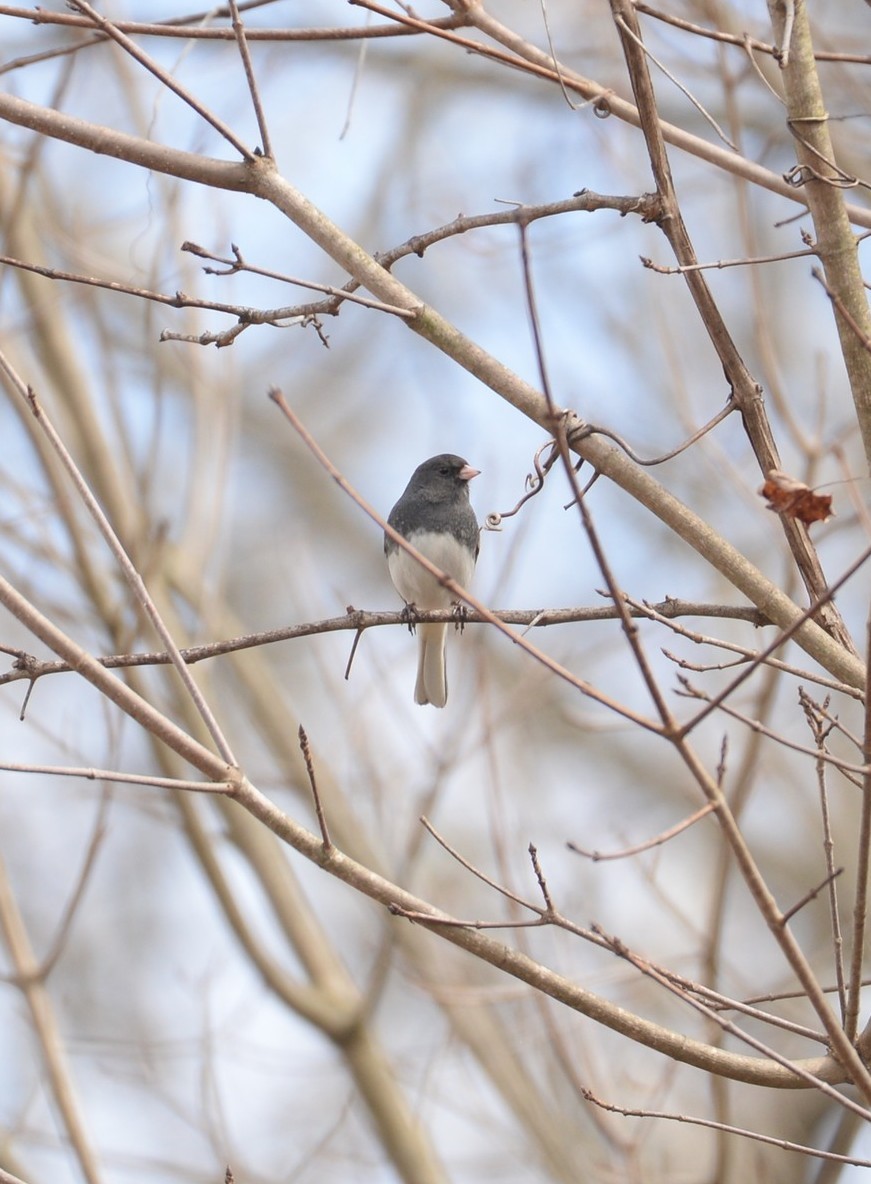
{"type": "Point", "coordinates": [466, 473]}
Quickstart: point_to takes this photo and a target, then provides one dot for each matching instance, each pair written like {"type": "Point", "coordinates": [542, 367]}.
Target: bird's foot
{"type": "Point", "coordinates": [461, 614]}
{"type": "Point", "coordinates": [409, 615]}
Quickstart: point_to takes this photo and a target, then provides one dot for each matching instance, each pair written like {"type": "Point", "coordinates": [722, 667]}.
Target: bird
{"type": "Point", "coordinates": [435, 515]}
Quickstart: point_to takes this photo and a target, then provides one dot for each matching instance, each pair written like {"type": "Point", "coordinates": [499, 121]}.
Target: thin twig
{"type": "Point", "coordinates": [245, 53]}
{"type": "Point", "coordinates": [425, 918]}
{"type": "Point", "coordinates": [726, 1128]}
{"type": "Point", "coordinates": [812, 894]}
{"type": "Point", "coordinates": [542, 882]}
{"type": "Point", "coordinates": [305, 748]}
{"type": "Point", "coordinates": [705, 114]}
{"type": "Point", "coordinates": [719, 264]}
{"type": "Point", "coordinates": [360, 62]}
{"type": "Point", "coordinates": [641, 607]}
{"type": "Point", "coordinates": [476, 871]}
{"type": "Point", "coordinates": [354, 644]}
{"type": "Point", "coordinates": [113, 775]}
{"type": "Point", "coordinates": [239, 264]}
{"type": "Point", "coordinates": [755, 725]}
{"type": "Point", "coordinates": [842, 310]}
{"type": "Point", "coordinates": [551, 71]}
{"type": "Point", "coordinates": [740, 39]}
{"type": "Point", "coordinates": [863, 870]}
{"type": "Point", "coordinates": [590, 429]}
{"type": "Point", "coordinates": [723, 1003]}
{"type": "Point", "coordinates": [556, 64]}
{"type": "Point", "coordinates": [820, 730]}
{"type": "Point", "coordinates": [836, 724]}
{"type": "Point", "coordinates": [657, 840]}
{"type": "Point", "coordinates": [193, 29]}
{"type": "Point", "coordinates": [535, 325]}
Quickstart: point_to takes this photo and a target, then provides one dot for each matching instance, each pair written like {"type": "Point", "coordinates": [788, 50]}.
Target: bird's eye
{"type": "Point", "coordinates": [444, 470]}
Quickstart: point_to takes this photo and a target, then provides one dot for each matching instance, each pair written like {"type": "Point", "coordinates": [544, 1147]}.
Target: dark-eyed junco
{"type": "Point", "coordinates": [436, 517]}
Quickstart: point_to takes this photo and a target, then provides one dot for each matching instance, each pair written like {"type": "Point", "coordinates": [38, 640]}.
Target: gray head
{"type": "Point", "coordinates": [441, 477]}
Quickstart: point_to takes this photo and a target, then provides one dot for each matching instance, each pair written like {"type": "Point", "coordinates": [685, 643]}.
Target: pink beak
{"type": "Point", "coordinates": [466, 473]}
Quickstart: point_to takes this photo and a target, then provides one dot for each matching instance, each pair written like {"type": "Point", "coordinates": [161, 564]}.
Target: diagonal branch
{"type": "Point", "coordinates": [746, 393]}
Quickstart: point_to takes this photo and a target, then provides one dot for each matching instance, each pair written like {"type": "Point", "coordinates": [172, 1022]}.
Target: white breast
{"type": "Point", "coordinates": [417, 586]}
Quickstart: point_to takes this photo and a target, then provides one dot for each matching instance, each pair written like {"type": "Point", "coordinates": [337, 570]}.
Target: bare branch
{"type": "Point", "coordinates": [727, 1128]}
{"type": "Point", "coordinates": [863, 871]}
{"type": "Point", "coordinates": [648, 844]}
{"type": "Point", "coordinates": [112, 31]}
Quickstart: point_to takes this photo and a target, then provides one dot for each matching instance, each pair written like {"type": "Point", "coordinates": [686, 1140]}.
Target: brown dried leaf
{"type": "Point", "coordinates": [786, 495]}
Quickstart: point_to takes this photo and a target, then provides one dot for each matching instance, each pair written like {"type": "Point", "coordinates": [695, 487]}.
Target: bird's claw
{"type": "Point", "coordinates": [409, 615]}
{"type": "Point", "coordinates": [461, 614]}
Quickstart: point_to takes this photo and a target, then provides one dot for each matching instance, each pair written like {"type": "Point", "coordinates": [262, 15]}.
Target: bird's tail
{"type": "Point", "coordinates": [432, 676]}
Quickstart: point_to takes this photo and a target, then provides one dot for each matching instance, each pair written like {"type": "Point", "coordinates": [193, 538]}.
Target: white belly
{"type": "Point", "coordinates": [417, 586]}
